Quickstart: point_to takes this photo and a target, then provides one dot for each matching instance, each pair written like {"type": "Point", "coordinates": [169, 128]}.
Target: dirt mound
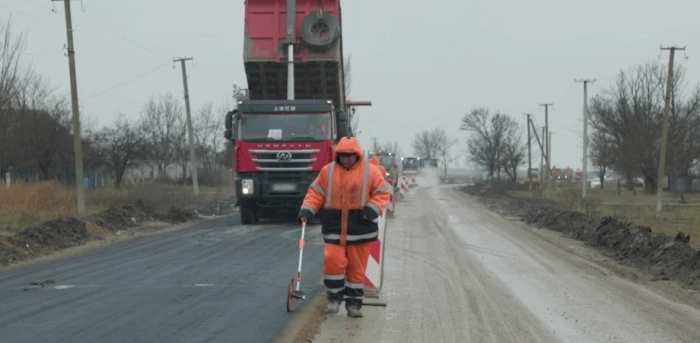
{"type": "Point", "coordinates": [665, 257]}
{"type": "Point", "coordinates": [64, 233]}
{"type": "Point", "coordinates": [123, 217]}
{"type": "Point", "coordinates": [46, 238]}
{"type": "Point", "coordinates": [177, 215]}
{"type": "Point", "coordinates": [218, 208]}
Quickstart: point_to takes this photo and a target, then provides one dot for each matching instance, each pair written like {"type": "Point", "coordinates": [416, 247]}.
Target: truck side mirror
{"type": "Point", "coordinates": [228, 134]}
{"type": "Point", "coordinates": [229, 120]}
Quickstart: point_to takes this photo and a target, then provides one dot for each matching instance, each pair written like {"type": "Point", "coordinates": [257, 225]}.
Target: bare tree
{"type": "Point", "coordinates": [601, 154]}
{"type": "Point", "coordinates": [11, 48]}
{"type": "Point", "coordinates": [629, 113]}
{"type": "Point", "coordinates": [514, 150]}
{"type": "Point", "coordinates": [181, 147]}
{"type": "Point", "coordinates": [426, 143]}
{"type": "Point", "coordinates": [393, 147]}
{"type": "Point", "coordinates": [38, 136]}
{"type": "Point", "coordinates": [444, 146]}
{"type": "Point", "coordinates": [122, 146]}
{"type": "Point", "coordinates": [159, 120]}
{"type": "Point", "coordinates": [488, 138]}
{"type": "Point", "coordinates": [209, 143]}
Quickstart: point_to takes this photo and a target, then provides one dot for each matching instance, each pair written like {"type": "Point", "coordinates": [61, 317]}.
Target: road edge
{"type": "Point", "coordinates": [305, 324]}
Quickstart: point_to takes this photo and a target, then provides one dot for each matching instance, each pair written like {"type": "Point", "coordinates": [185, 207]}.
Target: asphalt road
{"type": "Point", "coordinates": [215, 282]}
{"type": "Point", "coordinates": [457, 272]}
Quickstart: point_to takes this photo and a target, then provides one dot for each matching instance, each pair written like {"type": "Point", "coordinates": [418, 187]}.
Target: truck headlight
{"type": "Point", "coordinates": [247, 186]}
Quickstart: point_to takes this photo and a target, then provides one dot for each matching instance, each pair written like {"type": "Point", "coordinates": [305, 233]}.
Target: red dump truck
{"type": "Point", "coordinates": [296, 112]}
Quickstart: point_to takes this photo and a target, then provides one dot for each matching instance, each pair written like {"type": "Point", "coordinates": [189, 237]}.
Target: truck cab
{"type": "Point", "coordinates": [388, 161]}
{"type": "Point", "coordinates": [410, 164]}
{"type": "Point", "coordinates": [279, 148]}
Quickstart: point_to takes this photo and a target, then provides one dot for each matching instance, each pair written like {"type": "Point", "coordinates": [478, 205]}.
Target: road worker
{"type": "Point", "coordinates": [348, 195]}
{"type": "Point", "coordinates": [375, 160]}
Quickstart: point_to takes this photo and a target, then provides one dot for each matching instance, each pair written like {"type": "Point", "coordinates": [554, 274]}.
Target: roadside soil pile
{"type": "Point", "coordinates": [54, 235]}
{"type": "Point", "coordinates": [664, 257]}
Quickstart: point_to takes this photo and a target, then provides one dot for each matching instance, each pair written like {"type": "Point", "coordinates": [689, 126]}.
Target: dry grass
{"type": "Point", "coordinates": [639, 208]}
{"type": "Point", "coordinates": [29, 204]}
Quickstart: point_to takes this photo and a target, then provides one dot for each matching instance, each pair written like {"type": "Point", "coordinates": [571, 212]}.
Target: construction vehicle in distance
{"type": "Point", "coordinates": [409, 168]}
{"type": "Point", "coordinates": [388, 161]}
{"type": "Point", "coordinates": [296, 112]}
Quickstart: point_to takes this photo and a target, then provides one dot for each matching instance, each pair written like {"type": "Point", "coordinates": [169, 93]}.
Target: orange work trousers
{"type": "Point", "coordinates": [344, 270]}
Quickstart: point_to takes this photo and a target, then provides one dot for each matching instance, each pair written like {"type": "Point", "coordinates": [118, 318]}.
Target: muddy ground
{"type": "Point", "coordinates": [129, 218]}
{"type": "Point", "coordinates": [664, 257]}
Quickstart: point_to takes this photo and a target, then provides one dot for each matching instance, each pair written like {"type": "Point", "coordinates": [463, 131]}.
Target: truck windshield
{"type": "Point", "coordinates": [386, 161]}
{"type": "Point", "coordinates": [288, 126]}
{"type": "Point", "coordinates": [410, 164]}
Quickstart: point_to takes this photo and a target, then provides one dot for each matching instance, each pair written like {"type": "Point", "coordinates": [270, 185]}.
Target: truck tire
{"type": "Point", "coordinates": [319, 30]}
{"type": "Point", "coordinates": [249, 215]}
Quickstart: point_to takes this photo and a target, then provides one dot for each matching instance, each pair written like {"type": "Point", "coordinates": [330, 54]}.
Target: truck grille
{"type": "Point", "coordinates": [284, 160]}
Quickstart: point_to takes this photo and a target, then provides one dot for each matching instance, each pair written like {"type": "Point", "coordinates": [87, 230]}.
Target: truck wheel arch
{"type": "Point", "coordinates": [310, 24]}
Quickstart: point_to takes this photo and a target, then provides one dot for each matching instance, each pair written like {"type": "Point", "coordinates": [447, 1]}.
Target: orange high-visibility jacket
{"type": "Point", "coordinates": [348, 201]}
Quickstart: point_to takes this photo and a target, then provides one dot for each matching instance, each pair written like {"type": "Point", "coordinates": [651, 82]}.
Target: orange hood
{"type": "Point", "coordinates": [348, 145]}
{"type": "Point", "coordinates": [374, 160]}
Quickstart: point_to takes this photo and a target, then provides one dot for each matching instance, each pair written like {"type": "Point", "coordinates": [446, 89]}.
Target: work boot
{"type": "Point", "coordinates": [333, 307]}
{"type": "Point", "coordinates": [354, 312]}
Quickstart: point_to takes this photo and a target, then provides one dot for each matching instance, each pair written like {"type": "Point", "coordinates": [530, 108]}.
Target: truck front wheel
{"type": "Point", "coordinates": [249, 215]}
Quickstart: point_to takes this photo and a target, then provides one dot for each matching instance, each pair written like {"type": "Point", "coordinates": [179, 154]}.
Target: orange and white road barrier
{"type": "Point", "coordinates": [375, 266]}
{"type": "Point", "coordinates": [390, 205]}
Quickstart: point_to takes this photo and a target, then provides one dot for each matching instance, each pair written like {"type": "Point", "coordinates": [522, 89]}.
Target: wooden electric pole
{"type": "Point", "coordinates": [664, 131]}
{"type": "Point", "coordinates": [548, 146]}
{"type": "Point", "coordinates": [543, 158]}
{"type": "Point", "coordinates": [585, 135]}
{"type": "Point", "coordinates": [77, 137]}
{"type": "Point", "coordinates": [529, 153]}
{"type": "Point", "coordinates": [190, 131]}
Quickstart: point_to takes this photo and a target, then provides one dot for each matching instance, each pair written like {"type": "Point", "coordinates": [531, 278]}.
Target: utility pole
{"type": "Point", "coordinates": [542, 157]}
{"type": "Point", "coordinates": [529, 152]}
{"type": "Point", "coordinates": [585, 135]}
{"type": "Point", "coordinates": [664, 130]}
{"type": "Point", "coordinates": [77, 137]}
{"type": "Point", "coordinates": [548, 149]}
{"type": "Point", "coordinates": [190, 131]}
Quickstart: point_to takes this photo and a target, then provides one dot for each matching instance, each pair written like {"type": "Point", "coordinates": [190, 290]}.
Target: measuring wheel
{"type": "Point", "coordinates": [290, 296]}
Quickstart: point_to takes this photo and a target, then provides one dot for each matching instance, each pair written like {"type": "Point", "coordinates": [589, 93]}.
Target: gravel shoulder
{"type": "Point", "coordinates": [458, 272]}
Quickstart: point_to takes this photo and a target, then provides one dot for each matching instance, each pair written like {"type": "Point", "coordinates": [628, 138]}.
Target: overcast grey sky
{"type": "Point", "coordinates": [422, 66]}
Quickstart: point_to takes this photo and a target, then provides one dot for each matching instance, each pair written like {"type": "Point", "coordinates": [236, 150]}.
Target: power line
{"type": "Point", "coordinates": [94, 16]}
{"type": "Point", "coordinates": [128, 81]}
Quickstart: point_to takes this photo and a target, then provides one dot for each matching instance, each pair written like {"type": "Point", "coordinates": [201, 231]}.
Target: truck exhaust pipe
{"type": "Point", "coordinates": [291, 17]}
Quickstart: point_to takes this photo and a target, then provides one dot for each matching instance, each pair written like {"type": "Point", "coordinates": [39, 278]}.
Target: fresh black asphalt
{"type": "Point", "coordinates": [218, 281]}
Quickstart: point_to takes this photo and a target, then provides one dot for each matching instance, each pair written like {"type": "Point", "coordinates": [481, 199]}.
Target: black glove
{"type": "Point", "coordinates": [369, 213]}
{"type": "Point", "coordinates": [305, 213]}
